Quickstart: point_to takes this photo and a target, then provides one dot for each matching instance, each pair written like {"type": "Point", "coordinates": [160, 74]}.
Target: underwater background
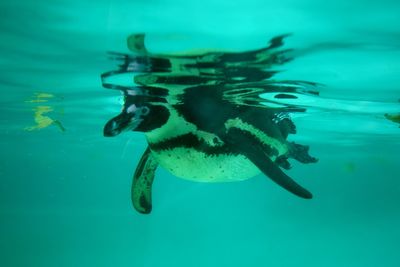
{"type": "Point", "coordinates": [65, 189]}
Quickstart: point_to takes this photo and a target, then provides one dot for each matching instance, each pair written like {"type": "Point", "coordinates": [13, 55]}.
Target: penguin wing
{"type": "Point", "coordinates": [142, 182]}
{"type": "Point", "coordinates": [247, 145]}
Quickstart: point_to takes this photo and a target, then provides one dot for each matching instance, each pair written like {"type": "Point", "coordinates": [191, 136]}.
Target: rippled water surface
{"type": "Point", "coordinates": [65, 189]}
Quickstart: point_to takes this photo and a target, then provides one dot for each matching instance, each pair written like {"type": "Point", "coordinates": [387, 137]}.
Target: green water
{"type": "Point", "coordinates": [65, 189]}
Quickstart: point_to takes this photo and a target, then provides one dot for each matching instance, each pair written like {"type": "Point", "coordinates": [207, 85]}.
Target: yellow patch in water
{"type": "Point", "coordinates": [40, 98]}
{"type": "Point", "coordinates": [41, 119]}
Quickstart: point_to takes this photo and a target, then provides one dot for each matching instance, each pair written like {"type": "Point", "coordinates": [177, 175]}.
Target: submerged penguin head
{"type": "Point", "coordinates": [139, 115]}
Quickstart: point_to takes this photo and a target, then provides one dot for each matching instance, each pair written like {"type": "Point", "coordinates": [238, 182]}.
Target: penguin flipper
{"type": "Point", "coordinates": [245, 144]}
{"type": "Point", "coordinates": [142, 182]}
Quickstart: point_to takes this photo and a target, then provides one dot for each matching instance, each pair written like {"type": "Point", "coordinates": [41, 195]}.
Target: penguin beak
{"type": "Point", "coordinates": [118, 124]}
{"type": "Point", "coordinates": [112, 128]}
{"type": "Point", "coordinates": [123, 122]}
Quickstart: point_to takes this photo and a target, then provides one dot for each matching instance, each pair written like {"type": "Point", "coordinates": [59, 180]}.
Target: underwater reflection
{"type": "Point", "coordinates": [203, 116]}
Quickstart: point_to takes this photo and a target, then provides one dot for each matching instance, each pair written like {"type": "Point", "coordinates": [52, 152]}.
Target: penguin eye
{"type": "Point", "coordinates": [144, 111]}
{"type": "Point", "coordinates": [136, 115]}
{"type": "Point", "coordinates": [136, 112]}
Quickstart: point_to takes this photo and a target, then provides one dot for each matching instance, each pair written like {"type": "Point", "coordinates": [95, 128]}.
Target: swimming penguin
{"type": "Point", "coordinates": [211, 140]}
{"type": "Point", "coordinates": [209, 132]}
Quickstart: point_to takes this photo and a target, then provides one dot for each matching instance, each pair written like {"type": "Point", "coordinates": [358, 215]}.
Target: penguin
{"type": "Point", "coordinates": [210, 126]}
{"type": "Point", "coordinates": [207, 138]}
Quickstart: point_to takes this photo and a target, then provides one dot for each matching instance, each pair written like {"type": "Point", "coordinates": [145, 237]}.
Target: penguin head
{"type": "Point", "coordinates": [138, 114]}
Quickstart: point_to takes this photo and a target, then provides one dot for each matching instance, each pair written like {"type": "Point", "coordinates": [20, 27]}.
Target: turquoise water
{"type": "Point", "coordinates": [65, 189]}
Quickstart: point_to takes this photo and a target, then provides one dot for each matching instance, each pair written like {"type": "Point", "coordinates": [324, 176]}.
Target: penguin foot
{"type": "Point", "coordinates": [300, 153]}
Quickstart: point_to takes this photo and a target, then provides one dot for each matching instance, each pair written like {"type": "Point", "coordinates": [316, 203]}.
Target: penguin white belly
{"type": "Point", "coordinates": [198, 166]}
